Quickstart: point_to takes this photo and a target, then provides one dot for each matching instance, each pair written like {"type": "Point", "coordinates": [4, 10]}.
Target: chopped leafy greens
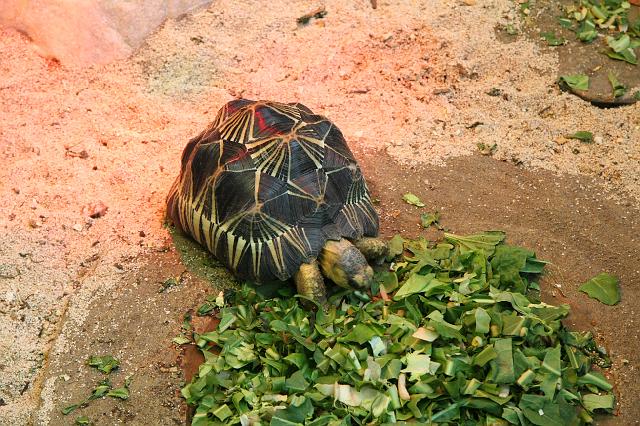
{"type": "Point", "coordinates": [606, 16]}
{"type": "Point", "coordinates": [457, 336]}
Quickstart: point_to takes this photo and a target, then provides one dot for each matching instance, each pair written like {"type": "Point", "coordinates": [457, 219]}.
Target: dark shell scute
{"type": "Point", "coordinates": [234, 194]}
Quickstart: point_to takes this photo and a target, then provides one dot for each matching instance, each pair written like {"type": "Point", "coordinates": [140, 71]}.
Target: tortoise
{"type": "Point", "coordinates": [273, 191]}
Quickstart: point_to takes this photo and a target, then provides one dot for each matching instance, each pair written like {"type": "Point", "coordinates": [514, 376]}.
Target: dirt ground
{"type": "Point", "coordinates": [407, 83]}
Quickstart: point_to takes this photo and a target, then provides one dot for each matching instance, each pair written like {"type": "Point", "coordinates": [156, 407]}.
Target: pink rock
{"type": "Point", "coordinates": [90, 32]}
{"type": "Point", "coordinates": [95, 210]}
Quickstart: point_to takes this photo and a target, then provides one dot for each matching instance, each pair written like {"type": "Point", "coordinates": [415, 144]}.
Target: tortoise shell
{"type": "Point", "coordinates": [264, 187]}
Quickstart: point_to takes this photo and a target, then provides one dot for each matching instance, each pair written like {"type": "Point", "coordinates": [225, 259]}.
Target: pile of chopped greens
{"type": "Point", "coordinates": [455, 334]}
{"type": "Point", "coordinates": [609, 16]}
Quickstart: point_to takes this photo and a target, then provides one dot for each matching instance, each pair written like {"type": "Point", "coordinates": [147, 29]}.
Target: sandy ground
{"type": "Point", "coordinates": [407, 84]}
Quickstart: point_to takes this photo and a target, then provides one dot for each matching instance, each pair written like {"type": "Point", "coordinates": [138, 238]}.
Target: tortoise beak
{"type": "Point", "coordinates": [363, 279]}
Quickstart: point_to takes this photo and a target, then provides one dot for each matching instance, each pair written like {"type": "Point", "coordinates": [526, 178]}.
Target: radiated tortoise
{"type": "Point", "coordinates": [270, 188]}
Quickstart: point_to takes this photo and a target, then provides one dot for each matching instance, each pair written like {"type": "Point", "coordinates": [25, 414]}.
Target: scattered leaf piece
{"type": "Point", "coordinates": [120, 393]}
{"type": "Point", "coordinates": [603, 287]}
{"type": "Point", "coordinates": [552, 39]}
{"type": "Point", "coordinates": [587, 31]}
{"type": "Point", "coordinates": [429, 219]}
{"type": "Point", "coordinates": [575, 82]}
{"type": "Point", "coordinates": [618, 88]}
{"type": "Point", "coordinates": [412, 199]}
{"type": "Point", "coordinates": [582, 136]}
{"type": "Point", "coordinates": [70, 409]}
{"type": "Point", "coordinates": [594, 402]}
{"type": "Point", "coordinates": [181, 340]}
{"type": "Point", "coordinates": [105, 363]}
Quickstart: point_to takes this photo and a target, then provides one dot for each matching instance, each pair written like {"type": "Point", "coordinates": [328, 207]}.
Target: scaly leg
{"type": "Point", "coordinates": [310, 282]}
{"type": "Point", "coordinates": [374, 249]}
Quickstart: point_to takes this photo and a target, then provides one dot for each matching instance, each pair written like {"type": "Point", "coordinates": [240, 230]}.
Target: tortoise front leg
{"type": "Point", "coordinates": [310, 282]}
{"type": "Point", "coordinates": [374, 249]}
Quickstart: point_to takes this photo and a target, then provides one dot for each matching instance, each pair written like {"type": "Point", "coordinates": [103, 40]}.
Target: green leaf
{"type": "Point", "coordinates": [534, 266]}
{"type": "Point", "coordinates": [70, 409]}
{"type": "Point", "coordinates": [582, 136]}
{"type": "Point", "coordinates": [540, 412]}
{"type": "Point", "coordinates": [619, 44]}
{"type": "Point", "coordinates": [362, 333]}
{"type": "Point", "coordinates": [168, 283]}
{"type": "Point", "coordinates": [603, 287]}
{"type": "Point", "coordinates": [587, 31]}
{"type": "Point", "coordinates": [507, 263]}
{"type": "Point", "coordinates": [222, 412]}
{"type": "Point", "coordinates": [227, 320]}
{"type": "Point", "coordinates": [627, 55]}
{"type": "Point", "coordinates": [444, 328]}
{"type": "Point", "coordinates": [425, 284]}
{"type": "Point", "coordinates": [120, 393]}
{"type": "Point", "coordinates": [388, 280]}
{"type": "Point", "coordinates": [551, 363]}
{"type": "Point", "coordinates": [575, 81]}
{"type": "Point", "coordinates": [618, 88]}
{"type": "Point", "coordinates": [594, 402]}
{"type": "Point", "coordinates": [485, 241]}
{"type": "Point", "coordinates": [483, 321]}
{"type": "Point", "coordinates": [552, 39]}
{"type": "Point", "coordinates": [565, 23]}
{"type": "Point", "coordinates": [413, 200]}
{"type": "Point", "coordinates": [502, 366]}
{"type": "Point", "coordinates": [100, 390]}
{"type": "Point", "coordinates": [181, 340]}
{"type": "Point", "coordinates": [205, 308]}
{"type": "Point", "coordinates": [396, 246]}
{"type": "Point", "coordinates": [450, 412]}
{"type": "Point", "coordinates": [297, 412]}
{"type": "Point", "coordinates": [419, 364]}
{"type": "Point", "coordinates": [104, 364]}
{"type": "Point", "coordinates": [296, 383]}
{"type": "Point", "coordinates": [595, 379]}
{"type": "Point", "coordinates": [428, 219]}
{"type": "Point", "coordinates": [83, 420]}
{"type": "Point", "coordinates": [486, 355]}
